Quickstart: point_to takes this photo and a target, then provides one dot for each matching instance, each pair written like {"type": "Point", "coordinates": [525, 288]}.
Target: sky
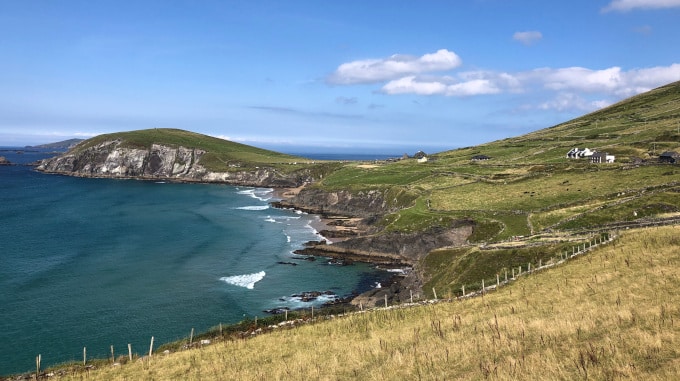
{"type": "Point", "coordinates": [326, 76]}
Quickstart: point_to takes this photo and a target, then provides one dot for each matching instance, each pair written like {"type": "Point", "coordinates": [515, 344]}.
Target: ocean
{"type": "Point", "coordinates": [100, 262]}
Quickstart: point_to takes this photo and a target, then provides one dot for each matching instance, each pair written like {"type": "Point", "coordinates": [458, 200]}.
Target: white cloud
{"type": "Point", "coordinates": [393, 67]}
{"type": "Point", "coordinates": [441, 86]}
{"type": "Point", "coordinates": [528, 37]}
{"type": "Point", "coordinates": [613, 80]}
{"type": "Point", "coordinates": [575, 88]}
{"type": "Point", "coordinates": [628, 5]}
{"type": "Point", "coordinates": [570, 101]}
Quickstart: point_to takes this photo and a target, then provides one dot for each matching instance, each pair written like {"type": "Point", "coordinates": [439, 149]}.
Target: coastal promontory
{"type": "Point", "coordinates": [177, 155]}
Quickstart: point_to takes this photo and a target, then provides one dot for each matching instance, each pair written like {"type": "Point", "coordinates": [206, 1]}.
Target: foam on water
{"type": "Point", "coordinates": [262, 194]}
{"type": "Point", "coordinates": [253, 207]}
{"type": "Point", "coordinates": [247, 280]}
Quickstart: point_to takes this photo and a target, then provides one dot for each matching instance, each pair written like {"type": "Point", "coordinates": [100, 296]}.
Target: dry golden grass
{"type": "Point", "coordinates": [608, 315]}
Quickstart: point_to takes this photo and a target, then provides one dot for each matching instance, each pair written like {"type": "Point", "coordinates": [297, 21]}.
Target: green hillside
{"type": "Point", "coordinates": [529, 185]}
{"type": "Point", "coordinates": [221, 155]}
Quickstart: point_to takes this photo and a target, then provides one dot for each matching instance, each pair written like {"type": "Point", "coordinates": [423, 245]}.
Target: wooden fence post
{"type": "Point", "coordinates": [513, 273]}
{"type": "Point", "coordinates": [191, 337]}
{"type": "Point", "coordinates": [130, 351]}
{"type": "Point", "coordinates": [286, 315]}
{"type": "Point", "coordinates": [411, 292]}
{"type": "Point", "coordinates": [385, 300]}
{"type": "Point", "coordinates": [151, 347]}
{"type": "Point", "coordinates": [463, 290]}
{"type": "Point", "coordinates": [482, 286]}
{"type": "Point", "coordinates": [498, 281]}
{"type": "Point", "coordinates": [84, 355]}
{"type": "Point", "coordinates": [113, 357]}
{"type": "Point", "coordinates": [38, 359]}
{"type": "Point", "coordinates": [435, 293]}
{"type": "Point", "coordinates": [529, 268]}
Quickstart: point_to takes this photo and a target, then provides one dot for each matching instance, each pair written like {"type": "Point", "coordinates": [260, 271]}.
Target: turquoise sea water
{"type": "Point", "coordinates": [98, 262]}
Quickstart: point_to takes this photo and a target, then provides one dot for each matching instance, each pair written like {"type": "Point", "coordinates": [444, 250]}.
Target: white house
{"type": "Point", "coordinates": [577, 153]}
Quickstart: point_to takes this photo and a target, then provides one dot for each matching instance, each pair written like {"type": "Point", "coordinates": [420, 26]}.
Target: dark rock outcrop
{"type": "Point", "coordinates": [4, 161]}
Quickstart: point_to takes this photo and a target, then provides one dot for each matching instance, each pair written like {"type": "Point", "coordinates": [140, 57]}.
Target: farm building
{"type": "Point", "coordinates": [601, 157]}
{"type": "Point", "coordinates": [577, 153]}
{"type": "Point", "coordinates": [669, 157]}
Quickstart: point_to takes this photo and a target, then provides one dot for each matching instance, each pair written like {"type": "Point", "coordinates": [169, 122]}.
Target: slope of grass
{"type": "Point", "coordinates": [612, 314]}
{"type": "Point", "coordinates": [530, 175]}
{"type": "Point", "coordinates": [221, 155]}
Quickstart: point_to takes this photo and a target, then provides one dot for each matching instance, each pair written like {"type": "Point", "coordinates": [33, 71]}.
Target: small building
{"type": "Point", "coordinates": [601, 157]}
{"type": "Point", "coordinates": [420, 155]}
{"type": "Point", "coordinates": [669, 157]}
{"type": "Point", "coordinates": [577, 153]}
{"type": "Point", "coordinates": [423, 159]}
{"type": "Point", "coordinates": [480, 158]}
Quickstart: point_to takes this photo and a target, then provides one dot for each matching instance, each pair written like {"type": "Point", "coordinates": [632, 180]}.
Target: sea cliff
{"type": "Point", "coordinates": [160, 162]}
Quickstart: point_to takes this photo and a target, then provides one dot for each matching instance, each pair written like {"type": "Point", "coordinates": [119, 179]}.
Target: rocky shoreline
{"type": "Point", "coordinates": [346, 223]}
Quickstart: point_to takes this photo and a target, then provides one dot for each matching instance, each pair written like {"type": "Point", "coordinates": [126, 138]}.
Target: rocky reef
{"type": "Point", "coordinates": [159, 162]}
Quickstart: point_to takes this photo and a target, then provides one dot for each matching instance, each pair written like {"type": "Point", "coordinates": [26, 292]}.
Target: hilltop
{"type": "Point", "coordinates": [60, 146]}
{"type": "Point", "coordinates": [178, 155]}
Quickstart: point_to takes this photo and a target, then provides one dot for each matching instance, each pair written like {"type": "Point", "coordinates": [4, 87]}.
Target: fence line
{"type": "Point", "coordinates": [576, 251]}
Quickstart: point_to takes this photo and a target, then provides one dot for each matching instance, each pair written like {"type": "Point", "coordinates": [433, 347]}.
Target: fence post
{"type": "Point", "coordinates": [113, 357]}
{"type": "Point", "coordinates": [513, 273]}
{"type": "Point", "coordinates": [463, 290]}
{"type": "Point", "coordinates": [540, 263]}
{"type": "Point", "coordinates": [482, 286]}
{"type": "Point", "coordinates": [385, 300]}
{"type": "Point", "coordinates": [84, 355]}
{"type": "Point", "coordinates": [411, 292]}
{"type": "Point", "coordinates": [130, 351]}
{"type": "Point", "coordinates": [191, 337]}
{"type": "Point", "coordinates": [38, 358]}
{"type": "Point", "coordinates": [435, 293]}
{"type": "Point", "coordinates": [498, 281]}
{"type": "Point", "coordinates": [151, 347]}
{"type": "Point", "coordinates": [529, 268]}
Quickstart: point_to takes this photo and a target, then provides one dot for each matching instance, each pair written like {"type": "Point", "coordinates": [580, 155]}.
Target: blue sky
{"type": "Point", "coordinates": [308, 76]}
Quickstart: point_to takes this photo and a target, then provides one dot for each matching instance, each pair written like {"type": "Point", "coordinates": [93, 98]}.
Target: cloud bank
{"type": "Point", "coordinates": [432, 74]}
{"type": "Point", "coordinates": [395, 66]}
{"type": "Point", "coordinates": [629, 5]}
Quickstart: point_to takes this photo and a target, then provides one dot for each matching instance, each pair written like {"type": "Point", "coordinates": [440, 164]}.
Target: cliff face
{"type": "Point", "coordinates": [109, 159]}
{"type": "Point", "coordinates": [364, 204]}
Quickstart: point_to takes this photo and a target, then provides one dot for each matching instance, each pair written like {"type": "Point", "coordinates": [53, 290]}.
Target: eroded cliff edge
{"type": "Point", "coordinates": [367, 242]}
{"type": "Point", "coordinates": [161, 162]}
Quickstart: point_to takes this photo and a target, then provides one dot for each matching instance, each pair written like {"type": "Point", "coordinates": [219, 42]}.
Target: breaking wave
{"type": "Point", "coordinates": [253, 207]}
{"type": "Point", "coordinates": [262, 194]}
{"type": "Point", "coordinates": [247, 280]}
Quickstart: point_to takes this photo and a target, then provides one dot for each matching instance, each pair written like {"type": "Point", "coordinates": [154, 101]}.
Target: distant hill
{"type": "Point", "coordinates": [63, 145]}
{"type": "Point", "coordinates": [173, 154]}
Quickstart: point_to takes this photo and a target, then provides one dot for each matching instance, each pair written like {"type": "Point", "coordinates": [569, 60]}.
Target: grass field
{"type": "Point", "coordinates": [611, 314]}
